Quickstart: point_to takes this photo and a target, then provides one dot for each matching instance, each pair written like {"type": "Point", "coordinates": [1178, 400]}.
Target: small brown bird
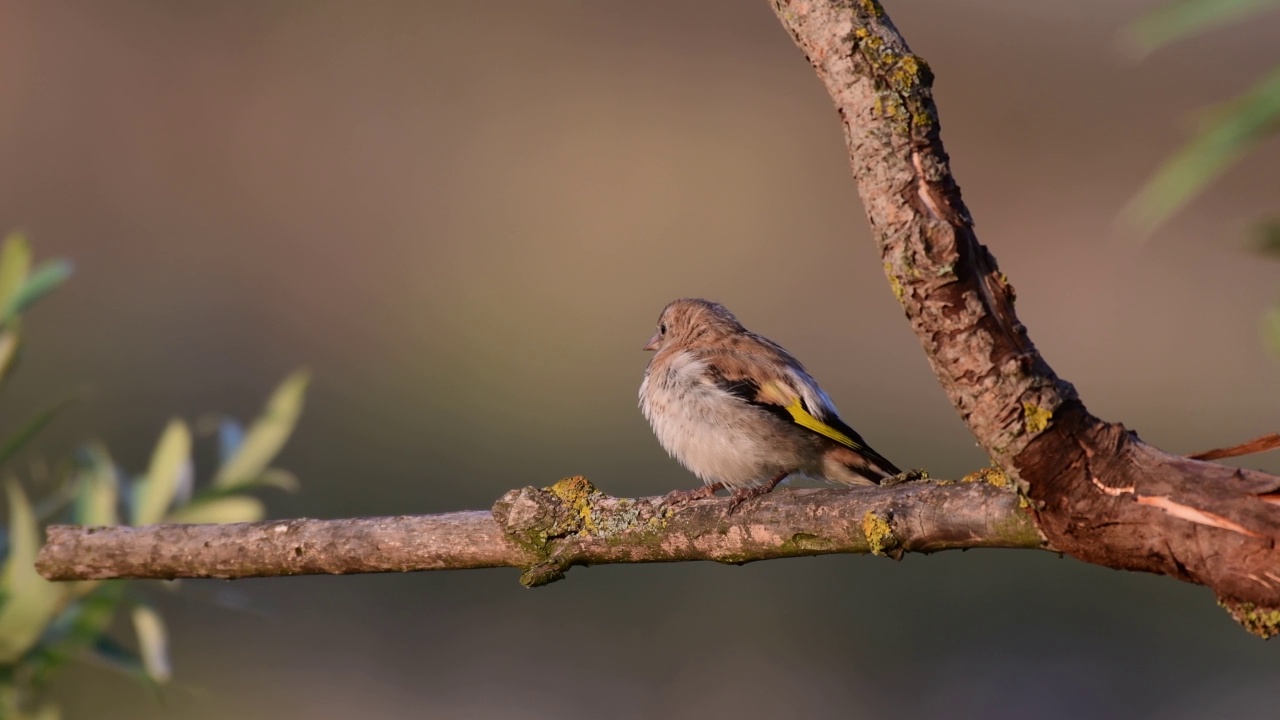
{"type": "Point", "coordinates": [740, 412]}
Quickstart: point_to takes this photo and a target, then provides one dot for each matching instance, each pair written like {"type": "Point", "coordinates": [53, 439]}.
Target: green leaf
{"type": "Point", "coordinates": [170, 464]}
{"type": "Point", "coordinates": [75, 629]}
{"type": "Point", "coordinates": [30, 600]}
{"type": "Point", "coordinates": [10, 341]}
{"type": "Point", "coordinates": [230, 438]}
{"type": "Point", "coordinates": [1176, 20]}
{"type": "Point", "coordinates": [267, 435]}
{"type": "Point", "coordinates": [1267, 234]}
{"type": "Point", "coordinates": [16, 442]}
{"type": "Point", "coordinates": [225, 509]}
{"type": "Point", "coordinates": [1242, 124]}
{"type": "Point", "coordinates": [153, 643]}
{"type": "Point", "coordinates": [1270, 329]}
{"type": "Point", "coordinates": [278, 478]}
{"type": "Point", "coordinates": [110, 653]}
{"type": "Point", "coordinates": [15, 263]}
{"type": "Point", "coordinates": [98, 488]}
{"type": "Point", "coordinates": [43, 280]}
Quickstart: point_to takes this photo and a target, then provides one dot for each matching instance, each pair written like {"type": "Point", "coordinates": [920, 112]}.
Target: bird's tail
{"type": "Point", "coordinates": [863, 466]}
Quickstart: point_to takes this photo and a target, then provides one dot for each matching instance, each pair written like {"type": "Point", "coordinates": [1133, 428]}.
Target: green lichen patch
{"type": "Point", "coordinates": [990, 475]}
{"type": "Point", "coordinates": [569, 510]}
{"type": "Point", "coordinates": [900, 78]}
{"type": "Point", "coordinates": [577, 493]}
{"type": "Point", "coordinates": [624, 516]}
{"type": "Point", "coordinates": [541, 574]}
{"type": "Point", "coordinates": [532, 517]}
{"type": "Point", "coordinates": [1036, 417]}
{"type": "Point", "coordinates": [598, 514]}
{"type": "Point", "coordinates": [898, 290]}
{"type": "Point", "coordinates": [872, 8]}
{"type": "Point", "coordinates": [908, 263]}
{"type": "Point", "coordinates": [1017, 531]}
{"type": "Point", "coordinates": [880, 537]}
{"type": "Point", "coordinates": [801, 543]}
{"type": "Point", "coordinates": [1007, 286]}
{"type": "Point", "coordinates": [1263, 622]}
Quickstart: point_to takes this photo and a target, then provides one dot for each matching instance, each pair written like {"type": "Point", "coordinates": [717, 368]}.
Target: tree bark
{"type": "Point", "coordinates": [1090, 488]}
{"type": "Point", "coordinates": [1098, 493]}
{"type": "Point", "coordinates": [545, 532]}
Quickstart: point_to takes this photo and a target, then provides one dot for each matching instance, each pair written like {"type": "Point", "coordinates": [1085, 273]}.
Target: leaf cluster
{"type": "Point", "coordinates": [44, 625]}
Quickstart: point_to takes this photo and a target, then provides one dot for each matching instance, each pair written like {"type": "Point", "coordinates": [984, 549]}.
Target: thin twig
{"type": "Point", "coordinates": [1250, 447]}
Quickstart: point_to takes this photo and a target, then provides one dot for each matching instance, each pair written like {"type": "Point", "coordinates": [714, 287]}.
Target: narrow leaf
{"type": "Point", "coordinates": [15, 263]}
{"type": "Point", "coordinates": [75, 629]}
{"type": "Point", "coordinates": [43, 280]}
{"type": "Point", "coordinates": [10, 340]}
{"type": "Point", "coordinates": [1245, 121]}
{"type": "Point", "coordinates": [267, 435]}
{"type": "Point", "coordinates": [1176, 20]}
{"type": "Point", "coordinates": [1267, 237]}
{"type": "Point", "coordinates": [30, 600]}
{"type": "Point", "coordinates": [225, 509]}
{"type": "Point", "coordinates": [170, 462]}
{"type": "Point", "coordinates": [153, 643]}
{"type": "Point", "coordinates": [16, 442]}
{"type": "Point", "coordinates": [1271, 329]}
{"type": "Point", "coordinates": [98, 488]}
{"type": "Point", "coordinates": [230, 438]}
{"type": "Point", "coordinates": [279, 478]}
{"type": "Point", "coordinates": [110, 653]}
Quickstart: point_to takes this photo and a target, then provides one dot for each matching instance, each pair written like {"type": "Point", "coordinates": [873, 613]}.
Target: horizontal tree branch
{"type": "Point", "coordinates": [546, 531]}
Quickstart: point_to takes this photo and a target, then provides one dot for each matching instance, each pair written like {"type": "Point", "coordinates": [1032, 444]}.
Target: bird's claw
{"type": "Point", "coordinates": [678, 498]}
{"type": "Point", "coordinates": [742, 495]}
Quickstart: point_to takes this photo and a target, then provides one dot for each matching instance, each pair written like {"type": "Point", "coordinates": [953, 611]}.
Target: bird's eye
{"type": "Point", "coordinates": [662, 329]}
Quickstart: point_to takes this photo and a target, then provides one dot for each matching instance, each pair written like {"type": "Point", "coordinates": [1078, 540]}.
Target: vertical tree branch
{"type": "Point", "coordinates": [1099, 493]}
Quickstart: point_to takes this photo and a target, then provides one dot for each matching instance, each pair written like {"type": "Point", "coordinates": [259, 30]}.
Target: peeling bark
{"type": "Point", "coordinates": [1100, 494]}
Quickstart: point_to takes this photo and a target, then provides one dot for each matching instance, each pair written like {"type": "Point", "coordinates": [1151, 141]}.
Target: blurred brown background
{"type": "Point", "coordinates": [464, 217]}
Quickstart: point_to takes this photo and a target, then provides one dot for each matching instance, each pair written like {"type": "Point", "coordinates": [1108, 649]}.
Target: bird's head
{"type": "Point", "coordinates": [692, 322]}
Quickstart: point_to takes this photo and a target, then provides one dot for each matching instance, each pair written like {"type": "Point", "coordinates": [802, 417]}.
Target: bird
{"type": "Point", "coordinates": [741, 413]}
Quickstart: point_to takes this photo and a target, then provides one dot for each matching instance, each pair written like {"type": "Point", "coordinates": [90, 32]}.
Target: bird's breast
{"type": "Point", "coordinates": [714, 434]}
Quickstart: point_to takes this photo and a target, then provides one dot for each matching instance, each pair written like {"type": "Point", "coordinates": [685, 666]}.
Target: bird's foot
{"type": "Point", "coordinates": [742, 495]}
{"type": "Point", "coordinates": [913, 475]}
{"type": "Point", "coordinates": [677, 498]}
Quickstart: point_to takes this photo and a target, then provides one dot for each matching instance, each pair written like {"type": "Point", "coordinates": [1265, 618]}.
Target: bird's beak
{"type": "Point", "coordinates": [653, 342]}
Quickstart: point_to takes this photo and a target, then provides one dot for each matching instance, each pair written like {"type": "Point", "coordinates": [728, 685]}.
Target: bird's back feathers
{"type": "Point", "coordinates": [762, 373]}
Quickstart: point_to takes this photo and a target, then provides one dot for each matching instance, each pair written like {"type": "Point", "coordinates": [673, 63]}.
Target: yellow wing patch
{"type": "Point", "coordinates": [786, 397]}
{"type": "Point", "coordinates": [804, 419]}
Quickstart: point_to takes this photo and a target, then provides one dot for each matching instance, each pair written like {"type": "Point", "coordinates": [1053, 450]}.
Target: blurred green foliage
{"type": "Point", "coordinates": [1228, 132]}
{"type": "Point", "coordinates": [43, 625]}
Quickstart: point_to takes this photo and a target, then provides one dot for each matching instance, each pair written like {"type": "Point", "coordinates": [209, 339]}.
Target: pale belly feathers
{"type": "Point", "coordinates": [717, 436]}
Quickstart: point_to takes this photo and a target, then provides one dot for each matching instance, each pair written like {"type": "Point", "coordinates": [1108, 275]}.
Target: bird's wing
{"type": "Point", "coordinates": [781, 386]}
